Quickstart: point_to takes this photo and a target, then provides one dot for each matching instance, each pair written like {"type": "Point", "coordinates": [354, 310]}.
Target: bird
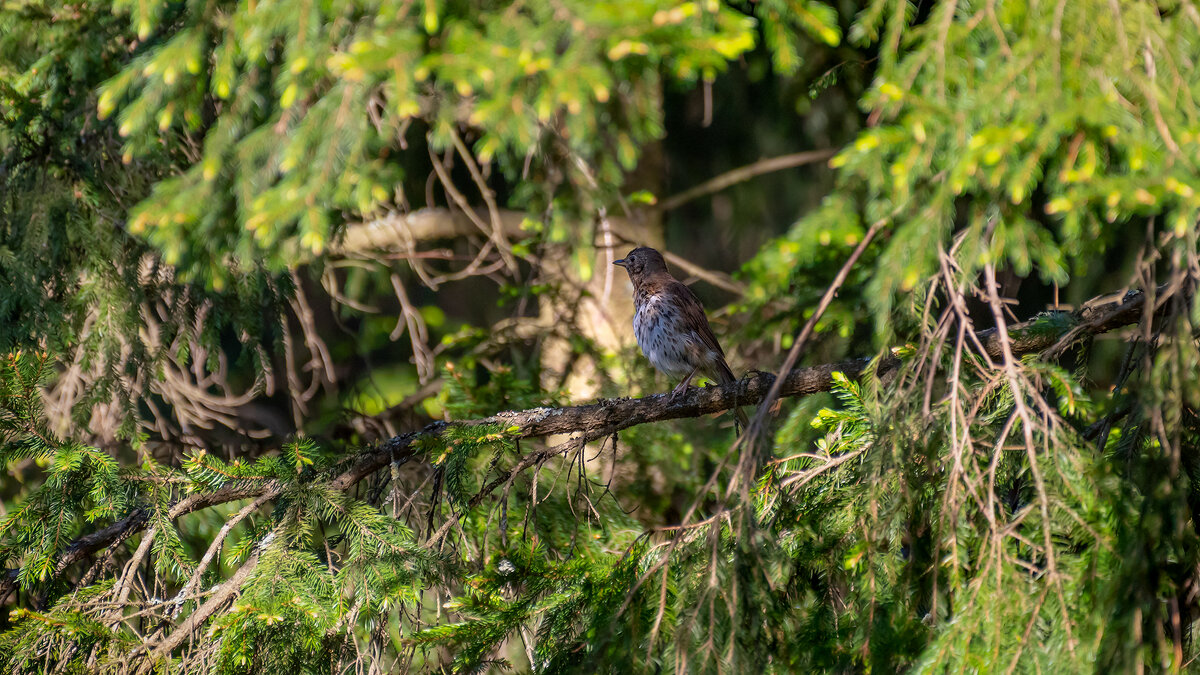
{"type": "Point", "coordinates": [671, 327]}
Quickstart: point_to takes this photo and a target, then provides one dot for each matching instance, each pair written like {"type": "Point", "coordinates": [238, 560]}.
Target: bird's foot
{"type": "Point", "coordinates": [681, 388]}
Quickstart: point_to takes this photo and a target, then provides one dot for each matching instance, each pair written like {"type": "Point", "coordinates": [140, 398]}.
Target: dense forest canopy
{"type": "Point", "coordinates": [313, 358]}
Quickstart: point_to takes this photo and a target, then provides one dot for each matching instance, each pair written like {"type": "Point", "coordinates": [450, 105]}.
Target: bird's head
{"type": "Point", "coordinates": [641, 263]}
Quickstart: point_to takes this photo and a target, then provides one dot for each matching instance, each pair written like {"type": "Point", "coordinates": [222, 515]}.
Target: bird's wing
{"type": "Point", "coordinates": [694, 317]}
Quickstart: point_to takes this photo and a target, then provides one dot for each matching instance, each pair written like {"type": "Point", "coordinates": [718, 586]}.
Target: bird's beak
{"type": "Point", "coordinates": [619, 263]}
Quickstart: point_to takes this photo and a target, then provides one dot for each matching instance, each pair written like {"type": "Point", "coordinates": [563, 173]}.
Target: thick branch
{"type": "Point", "coordinates": [610, 415]}
{"type": "Point", "coordinates": [403, 231]}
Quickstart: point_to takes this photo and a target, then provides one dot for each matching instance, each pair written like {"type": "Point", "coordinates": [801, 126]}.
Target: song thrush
{"type": "Point", "coordinates": [670, 325]}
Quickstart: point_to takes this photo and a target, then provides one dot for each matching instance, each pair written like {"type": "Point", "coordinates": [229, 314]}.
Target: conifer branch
{"type": "Point", "coordinates": [600, 419]}
{"type": "Point", "coordinates": [196, 619]}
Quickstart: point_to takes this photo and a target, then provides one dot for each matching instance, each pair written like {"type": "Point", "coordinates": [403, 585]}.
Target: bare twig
{"type": "Point", "coordinates": [418, 333]}
{"type": "Point", "coordinates": [745, 173]}
{"type": "Point", "coordinates": [214, 548]}
{"type": "Point", "coordinates": [489, 198]}
{"type": "Point", "coordinates": [196, 619]}
{"type": "Point", "coordinates": [757, 424]}
{"type": "Point", "coordinates": [718, 279]}
{"type": "Point", "coordinates": [1009, 366]}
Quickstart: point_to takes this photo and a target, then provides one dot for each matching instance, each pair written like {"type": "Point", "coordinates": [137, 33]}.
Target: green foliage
{"type": "Point", "coordinates": [22, 432]}
{"type": "Point", "coordinates": [1086, 136]}
{"type": "Point", "coordinates": [81, 485]}
{"type": "Point", "coordinates": [307, 101]}
{"type": "Point", "coordinates": [166, 167]}
{"type": "Point", "coordinates": [783, 273]}
{"type": "Point", "coordinates": [62, 630]}
{"type": "Point", "coordinates": [466, 397]}
{"type": "Point", "coordinates": [75, 282]}
{"type": "Point", "coordinates": [207, 473]}
{"type": "Point", "coordinates": [293, 614]}
{"type": "Point", "coordinates": [1041, 149]}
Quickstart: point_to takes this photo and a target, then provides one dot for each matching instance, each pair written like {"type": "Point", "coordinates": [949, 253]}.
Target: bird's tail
{"type": "Point", "coordinates": [724, 375]}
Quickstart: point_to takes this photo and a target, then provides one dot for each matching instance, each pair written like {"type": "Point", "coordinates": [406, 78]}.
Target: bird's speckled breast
{"type": "Point", "coordinates": [656, 327]}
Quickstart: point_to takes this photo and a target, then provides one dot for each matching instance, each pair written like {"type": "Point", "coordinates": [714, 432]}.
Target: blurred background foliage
{"type": "Point", "coordinates": [241, 241]}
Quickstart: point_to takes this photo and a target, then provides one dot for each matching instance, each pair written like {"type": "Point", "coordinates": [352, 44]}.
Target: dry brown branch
{"type": "Point", "coordinates": [718, 279]}
{"type": "Point", "coordinates": [125, 582]}
{"type": "Point", "coordinates": [196, 399]}
{"type": "Point", "coordinates": [418, 333]}
{"type": "Point", "coordinates": [757, 424]}
{"type": "Point", "coordinates": [213, 549]}
{"type": "Point", "coordinates": [489, 198]}
{"type": "Point", "coordinates": [197, 618]}
{"type": "Point", "coordinates": [402, 231]}
{"type": "Point", "coordinates": [745, 173]}
{"type": "Point", "coordinates": [1015, 384]}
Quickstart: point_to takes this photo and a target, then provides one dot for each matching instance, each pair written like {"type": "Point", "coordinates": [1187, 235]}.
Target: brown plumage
{"type": "Point", "coordinates": [670, 325]}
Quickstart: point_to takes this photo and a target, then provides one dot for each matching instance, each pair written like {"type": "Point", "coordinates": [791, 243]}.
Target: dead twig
{"type": "Point", "coordinates": [745, 173]}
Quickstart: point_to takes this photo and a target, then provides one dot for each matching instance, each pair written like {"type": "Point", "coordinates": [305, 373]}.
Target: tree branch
{"type": "Point", "coordinates": [744, 173]}
{"type": "Point", "coordinates": [192, 623]}
{"type": "Point", "coordinates": [606, 416]}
